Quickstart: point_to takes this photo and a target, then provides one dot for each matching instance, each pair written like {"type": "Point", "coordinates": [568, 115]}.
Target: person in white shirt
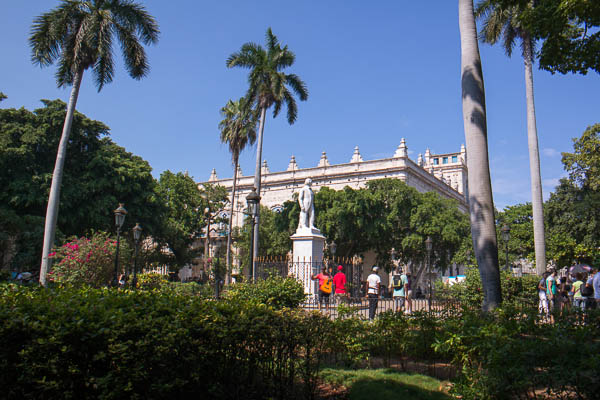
{"type": "Point", "coordinates": [372, 289]}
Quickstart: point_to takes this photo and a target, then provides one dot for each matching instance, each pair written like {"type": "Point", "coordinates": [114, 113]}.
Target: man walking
{"type": "Point", "coordinates": [372, 288]}
{"type": "Point", "coordinates": [339, 281]}
{"type": "Point", "coordinates": [399, 285]}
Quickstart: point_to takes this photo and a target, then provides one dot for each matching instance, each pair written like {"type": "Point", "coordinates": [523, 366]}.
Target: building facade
{"type": "Point", "coordinates": [445, 174]}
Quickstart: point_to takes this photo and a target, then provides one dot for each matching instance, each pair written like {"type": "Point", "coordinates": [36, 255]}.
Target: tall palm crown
{"type": "Point", "coordinates": [499, 23]}
{"type": "Point", "coordinates": [238, 127]}
{"type": "Point", "coordinates": [268, 84]}
{"type": "Point", "coordinates": [80, 34]}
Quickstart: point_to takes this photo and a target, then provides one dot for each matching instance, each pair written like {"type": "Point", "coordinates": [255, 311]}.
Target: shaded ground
{"type": "Point", "coordinates": [380, 384]}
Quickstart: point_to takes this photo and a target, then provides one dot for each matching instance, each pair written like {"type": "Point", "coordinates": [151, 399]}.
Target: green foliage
{"type": "Point", "coordinates": [268, 84]}
{"type": "Point", "coordinates": [105, 343]}
{"type": "Point", "coordinates": [509, 354]}
{"type": "Point", "coordinates": [98, 175]}
{"type": "Point", "coordinates": [79, 36]}
{"type": "Point", "coordinates": [568, 30]}
{"type": "Point", "coordinates": [516, 291]}
{"type": "Point", "coordinates": [583, 165]}
{"type": "Point", "coordinates": [275, 292]}
{"type": "Point", "coordinates": [159, 283]}
{"type": "Point", "coordinates": [386, 215]}
{"type": "Point", "coordinates": [87, 261]}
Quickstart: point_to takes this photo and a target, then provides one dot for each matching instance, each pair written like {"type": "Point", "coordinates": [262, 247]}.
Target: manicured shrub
{"type": "Point", "coordinates": [516, 291]}
{"type": "Point", "coordinates": [274, 292]}
{"type": "Point", "coordinates": [86, 343]}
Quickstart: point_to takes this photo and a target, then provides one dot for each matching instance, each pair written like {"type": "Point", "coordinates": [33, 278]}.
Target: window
{"type": "Point", "coordinates": [445, 160]}
{"type": "Point", "coordinates": [454, 159]}
{"type": "Point", "coordinates": [436, 161]}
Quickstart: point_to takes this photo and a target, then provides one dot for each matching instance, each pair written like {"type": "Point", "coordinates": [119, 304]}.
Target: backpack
{"type": "Point", "coordinates": [587, 291]}
{"type": "Point", "coordinates": [397, 282]}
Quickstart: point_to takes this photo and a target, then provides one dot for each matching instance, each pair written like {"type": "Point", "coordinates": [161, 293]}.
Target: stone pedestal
{"type": "Point", "coordinates": [307, 257]}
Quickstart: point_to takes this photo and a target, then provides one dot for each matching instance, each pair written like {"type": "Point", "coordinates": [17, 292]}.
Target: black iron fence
{"type": "Point", "coordinates": [303, 270]}
{"type": "Point", "coordinates": [360, 305]}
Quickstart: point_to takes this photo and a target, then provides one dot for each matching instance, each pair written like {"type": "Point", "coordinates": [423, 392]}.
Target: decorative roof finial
{"type": "Point", "coordinates": [292, 166]}
{"type": "Point", "coordinates": [356, 157]}
{"type": "Point", "coordinates": [213, 176]}
{"type": "Point", "coordinates": [402, 150]}
{"type": "Point", "coordinates": [323, 162]}
{"type": "Point", "coordinates": [265, 168]}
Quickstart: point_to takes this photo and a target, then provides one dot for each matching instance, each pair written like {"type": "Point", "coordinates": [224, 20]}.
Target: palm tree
{"type": "Point", "coordinates": [79, 35]}
{"type": "Point", "coordinates": [238, 128]}
{"type": "Point", "coordinates": [481, 203]}
{"type": "Point", "coordinates": [268, 86]}
{"type": "Point", "coordinates": [499, 23]}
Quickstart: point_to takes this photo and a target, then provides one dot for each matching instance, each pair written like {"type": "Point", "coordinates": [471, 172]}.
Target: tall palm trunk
{"type": "Point", "coordinates": [481, 204]}
{"type": "Point", "coordinates": [257, 173]}
{"type": "Point", "coordinates": [539, 236]}
{"type": "Point", "coordinates": [57, 175]}
{"type": "Point", "coordinates": [228, 257]}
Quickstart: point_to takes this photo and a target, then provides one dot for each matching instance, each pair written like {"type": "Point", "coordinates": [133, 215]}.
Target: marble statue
{"type": "Point", "coordinates": [306, 198]}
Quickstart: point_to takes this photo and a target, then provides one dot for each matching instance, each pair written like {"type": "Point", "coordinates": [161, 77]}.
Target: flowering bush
{"type": "Point", "coordinates": [87, 261]}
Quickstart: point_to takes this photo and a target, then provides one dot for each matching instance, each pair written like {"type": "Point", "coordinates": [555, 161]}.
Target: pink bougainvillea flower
{"type": "Point", "coordinates": [52, 254]}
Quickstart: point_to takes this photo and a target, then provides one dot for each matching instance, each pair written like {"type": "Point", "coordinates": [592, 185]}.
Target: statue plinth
{"type": "Point", "coordinates": [307, 256]}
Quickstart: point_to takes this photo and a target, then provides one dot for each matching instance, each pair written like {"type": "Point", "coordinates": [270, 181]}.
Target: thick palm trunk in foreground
{"type": "Point", "coordinates": [257, 173]}
{"type": "Point", "coordinates": [54, 198]}
{"type": "Point", "coordinates": [539, 236]}
{"type": "Point", "coordinates": [228, 257]}
{"type": "Point", "coordinates": [481, 204]}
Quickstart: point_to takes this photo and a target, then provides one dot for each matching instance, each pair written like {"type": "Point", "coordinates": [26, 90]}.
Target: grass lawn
{"type": "Point", "coordinates": [384, 384]}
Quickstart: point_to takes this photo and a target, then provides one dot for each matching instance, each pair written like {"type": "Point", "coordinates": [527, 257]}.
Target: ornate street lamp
{"type": "Point", "coordinates": [253, 200]}
{"type": "Point", "coordinates": [505, 237]}
{"type": "Point", "coordinates": [137, 235]}
{"type": "Point", "coordinates": [207, 239]}
{"type": "Point", "coordinates": [429, 247]}
{"type": "Point", "coordinates": [120, 214]}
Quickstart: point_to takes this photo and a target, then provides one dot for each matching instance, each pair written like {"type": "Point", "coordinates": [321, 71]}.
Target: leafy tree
{"type": "Point", "coordinates": [268, 86]}
{"type": "Point", "coordinates": [481, 203]}
{"type": "Point", "coordinates": [520, 221]}
{"type": "Point", "coordinates": [500, 23]}
{"type": "Point", "coordinates": [583, 164]}
{"type": "Point", "coordinates": [183, 217]}
{"type": "Point", "coordinates": [98, 175]}
{"type": "Point", "coordinates": [79, 35]}
{"type": "Point", "coordinates": [568, 29]}
{"type": "Point", "coordinates": [238, 129]}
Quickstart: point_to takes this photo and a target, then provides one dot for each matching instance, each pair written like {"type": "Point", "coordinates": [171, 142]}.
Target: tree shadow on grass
{"type": "Point", "coordinates": [391, 384]}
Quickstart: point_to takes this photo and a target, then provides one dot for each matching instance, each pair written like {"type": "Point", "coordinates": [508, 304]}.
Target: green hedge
{"type": "Point", "coordinates": [113, 344]}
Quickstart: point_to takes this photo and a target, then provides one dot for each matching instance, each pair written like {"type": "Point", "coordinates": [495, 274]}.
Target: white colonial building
{"type": "Point", "coordinates": [445, 174]}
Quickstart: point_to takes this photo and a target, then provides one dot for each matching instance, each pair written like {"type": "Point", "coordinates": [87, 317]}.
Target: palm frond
{"type": "Point", "coordinates": [135, 17]}
{"type": "Point", "coordinates": [298, 86]}
{"type": "Point", "coordinates": [292, 108]}
{"type": "Point", "coordinates": [272, 41]}
{"type": "Point", "coordinates": [248, 56]}
{"type": "Point", "coordinates": [104, 66]}
{"type": "Point", "coordinates": [134, 54]}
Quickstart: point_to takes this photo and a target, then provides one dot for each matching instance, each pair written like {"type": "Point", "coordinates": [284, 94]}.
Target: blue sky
{"type": "Point", "coordinates": [376, 72]}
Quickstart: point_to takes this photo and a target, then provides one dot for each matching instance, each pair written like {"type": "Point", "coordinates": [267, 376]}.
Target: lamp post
{"type": "Point", "coordinates": [137, 234]}
{"type": "Point", "coordinates": [429, 247]}
{"type": "Point", "coordinates": [216, 266]}
{"type": "Point", "coordinates": [120, 214]}
{"type": "Point", "coordinates": [253, 199]}
{"type": "Point", "coordinates": [505, 237]}
{"type": "Point", "coordinates": [207, 239]}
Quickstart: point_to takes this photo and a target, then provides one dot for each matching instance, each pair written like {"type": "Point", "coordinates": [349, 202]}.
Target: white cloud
{"type": "Point", "coordinates": [550, 152]}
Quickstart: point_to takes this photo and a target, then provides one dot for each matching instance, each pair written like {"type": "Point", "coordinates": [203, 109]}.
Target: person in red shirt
{"type": "Point", "coordinates": [339, 281]}
{"type": "Point", "coordinates": [324, 285]}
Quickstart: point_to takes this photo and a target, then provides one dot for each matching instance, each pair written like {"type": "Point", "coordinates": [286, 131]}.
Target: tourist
{"type": "Point", "coordinates": [596, 288]}
{"type": "Point", "coordinates": [578, 299]}
{"type": "Point", "coordinates": [372, 288]}
{"type": "Point", "coordinates": [339, 281]}
{"type": "Point", "coordinates": [543, 305]}
{"type": "Point", "coordinates": [552, 293]}
{"type": "Point", "coordinates": [592, 290]}
{"type": "Point", "coordinates": [399, 282]}
{"type": "Point", "coordinates": [325, 283]}
{"type": "Point", "coordinates": [408, 292]}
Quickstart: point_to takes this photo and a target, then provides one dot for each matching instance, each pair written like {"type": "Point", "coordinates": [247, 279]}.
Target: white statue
{"type": "Point", "coordinates": [306, 198]}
